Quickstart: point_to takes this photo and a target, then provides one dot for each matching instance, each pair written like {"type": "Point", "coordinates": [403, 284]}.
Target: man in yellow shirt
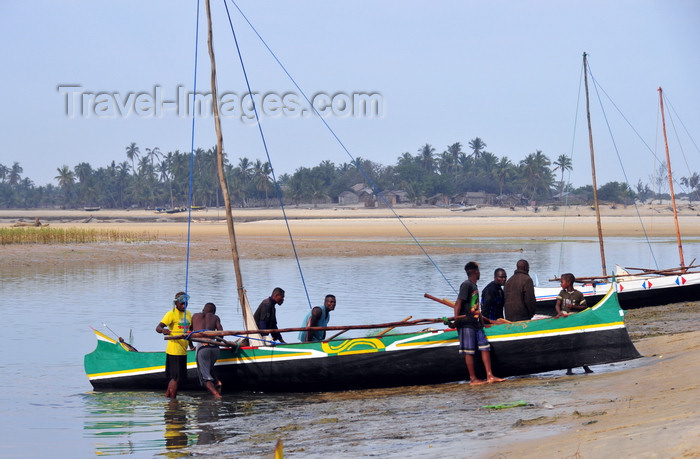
{"type": "Point", "coordinates": [177, 321]}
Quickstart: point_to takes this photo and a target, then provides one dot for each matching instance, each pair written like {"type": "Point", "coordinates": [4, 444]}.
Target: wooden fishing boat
{"type": "Point", "coordinates": [643, 287]}
{"type": "Point", "coordinates": [595, 336]}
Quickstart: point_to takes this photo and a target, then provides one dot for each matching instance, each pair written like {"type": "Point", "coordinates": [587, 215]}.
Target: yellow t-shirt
{"type": "Point", "coordinates": [179, 324]}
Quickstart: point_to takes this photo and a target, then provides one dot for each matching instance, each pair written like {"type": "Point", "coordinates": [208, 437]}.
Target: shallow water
{"type": "Point", "coordinates": [48, 408]}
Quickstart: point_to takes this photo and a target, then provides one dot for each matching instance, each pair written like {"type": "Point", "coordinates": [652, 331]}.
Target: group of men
{"type": "Point", "coordinates": [266, 317]}
{"type": "Point", "coordinates": [512, 299]}
{"type": "Point", "coordinates": [179, 321]}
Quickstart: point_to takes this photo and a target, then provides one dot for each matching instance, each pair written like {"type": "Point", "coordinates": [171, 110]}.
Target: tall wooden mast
{"type": "Point", "coordinates": [595, 184]}
{"type": "Point", "coordinates": [248, 319]}
{"type": "Point", "coordinates": [670, 179]}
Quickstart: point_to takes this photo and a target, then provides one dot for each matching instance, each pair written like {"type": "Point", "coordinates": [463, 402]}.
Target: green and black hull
{"type": "Point", "coordinates": [595, 336]}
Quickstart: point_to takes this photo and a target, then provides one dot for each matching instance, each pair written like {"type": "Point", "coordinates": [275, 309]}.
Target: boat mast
{"type": "Point", "coordinates": [595, 185]}
{"type": "Point", "coordinates": [670, 178]}
{"type": "Point", "coordinates": [248, 319]}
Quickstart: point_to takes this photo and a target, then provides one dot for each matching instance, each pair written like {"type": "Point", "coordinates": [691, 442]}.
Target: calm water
{"type": "Point", "coordinates": [49, 410]}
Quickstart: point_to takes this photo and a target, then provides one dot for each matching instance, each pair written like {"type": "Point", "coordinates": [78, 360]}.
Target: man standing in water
{"type": "Point", "coordinates": [469, 328]}
{"type": "Point", "coordinates": [176, 321]}
{"type": "Point", "coordinates": [207, 354]}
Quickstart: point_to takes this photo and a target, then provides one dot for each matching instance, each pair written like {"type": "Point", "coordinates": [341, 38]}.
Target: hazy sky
{"type": "Point", "coordinates": [84, 79]}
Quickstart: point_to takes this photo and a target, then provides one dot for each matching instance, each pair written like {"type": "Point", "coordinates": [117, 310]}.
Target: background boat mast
{"type": "Point", "coordinates": [670, 179]}
{"type": "Point", "coordinates": [595, 184]}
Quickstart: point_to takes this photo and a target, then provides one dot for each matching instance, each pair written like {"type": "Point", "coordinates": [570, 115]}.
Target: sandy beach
{"type": "Point", "coordinates": [649, 410]}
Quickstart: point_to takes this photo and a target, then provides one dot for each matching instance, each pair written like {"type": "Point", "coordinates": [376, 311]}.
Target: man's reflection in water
{"type": "Point", "coordinates": [175, 425]}
{"type": "Point", "coordinates": [207, 416]}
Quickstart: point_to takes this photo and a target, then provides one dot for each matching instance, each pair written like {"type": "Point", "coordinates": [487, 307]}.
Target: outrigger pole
{"type": "Point", "coordinates": [248, 319]}
{"type": "Point", "coordinates": [403, 323]}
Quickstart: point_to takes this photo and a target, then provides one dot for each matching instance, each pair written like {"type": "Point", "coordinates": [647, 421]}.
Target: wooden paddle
{"type": "Point", "coordinates": [391, 328]}
{"type": "Point", "coordinates": [451, 304]}
{"type": "Point", "coordinates": [444, 301]}
{"type": "Point", "coordinates": [336, 335]}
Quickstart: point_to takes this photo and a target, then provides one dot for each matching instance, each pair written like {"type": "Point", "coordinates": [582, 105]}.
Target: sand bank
{"type": "Point", "coordinates": [329, 231]}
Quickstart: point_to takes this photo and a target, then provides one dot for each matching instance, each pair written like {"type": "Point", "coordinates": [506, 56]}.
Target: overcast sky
{"type": "Point", "coordinates": [84, 79]}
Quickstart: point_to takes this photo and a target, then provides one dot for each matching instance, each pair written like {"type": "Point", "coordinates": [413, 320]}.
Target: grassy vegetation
{"type": "Point", "coordinates": [30, 235]}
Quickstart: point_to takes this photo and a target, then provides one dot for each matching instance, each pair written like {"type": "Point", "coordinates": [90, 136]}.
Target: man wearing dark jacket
{"type": "Point", "coordinates": [266, 314]}
{"type": "Point", "coordinates": [492, 296]}
{"type": "Point", "coordinates": [519, 294]}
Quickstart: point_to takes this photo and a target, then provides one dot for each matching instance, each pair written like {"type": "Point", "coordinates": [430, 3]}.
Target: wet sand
{"type": "Point", "coordinates": [647, 410]}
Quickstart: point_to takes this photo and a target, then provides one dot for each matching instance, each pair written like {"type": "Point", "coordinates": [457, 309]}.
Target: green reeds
{"type": "Point", "coordinates": [30, 235]}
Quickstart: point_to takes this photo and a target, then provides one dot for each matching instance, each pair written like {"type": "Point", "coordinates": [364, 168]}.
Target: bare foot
{"type": "Point", "coordinates": [477, 382]}
{"type": "Point", "coordinates": [493, 379]}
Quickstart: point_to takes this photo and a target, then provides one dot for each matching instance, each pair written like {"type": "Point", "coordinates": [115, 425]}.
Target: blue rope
{"type": "Point", "coordinates": [192, 135]}
{"type": "Point", "coordinates": [267, 154]}
{"type": "Point", "coordinates": [342, 145]}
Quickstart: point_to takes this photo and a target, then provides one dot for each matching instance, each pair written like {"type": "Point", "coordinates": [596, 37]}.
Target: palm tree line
{"type": "Point", "coordinates": [150, 178]}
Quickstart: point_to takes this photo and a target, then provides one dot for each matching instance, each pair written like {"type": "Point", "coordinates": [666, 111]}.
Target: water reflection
{"type": "Point", "coordinates": [176, 437]}
{"type": "Point", "coordinates": [137, 422]}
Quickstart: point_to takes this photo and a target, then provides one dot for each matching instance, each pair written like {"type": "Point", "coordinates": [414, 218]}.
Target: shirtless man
{"type": "Point", "coordinates": [207, 353]}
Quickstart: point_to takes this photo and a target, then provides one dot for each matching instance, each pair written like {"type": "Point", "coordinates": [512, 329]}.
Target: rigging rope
{"type": "Point", "coordinates": [619, 159]}
{"type": "Point", "coordinates": [340, 142]}
{"type": "Point", "coordinates": [192, 136]}
{"type": "Point", "coordinates": [267, 153]}
{"type": "Point", "coordinates": [671, 112]}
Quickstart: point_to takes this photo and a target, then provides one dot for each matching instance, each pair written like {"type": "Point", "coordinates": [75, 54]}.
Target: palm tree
{"type": "Point", "coordinates": [503, 171]}
{"type": "Point", "coordinates": [132, 151]}
{"type": "Point", "coordinates": [13, 177]}
{"type": "Point", "coordinates": [153, 154]}
{"type": "Point", "coordinates": [66, 181]}
{"type": "Point", "coordinates": [4, 172]}
{"type": "Point", "coordinates": [692, 182]}
{"type": "Point", "coordinates": [477, 145]}
{"type": "Point", "coordinates": [164, 168]}
{"type": "Point", "coordinates": [538, 177]}
{"type": "Point", "coordinates": [426, 158]}
{"type": "Point", "coordinates": [84, 172]}
{"type": "Point", "coordinates": [405, 159]}
{"type": "Point", "coordinates": [454, 152]}
{"type": "Point", "coordinates": [261, 178]}
{"type": "Point", "coordinates": [564, 163]}
{"type": "Point", "coordinates": [122, 177]}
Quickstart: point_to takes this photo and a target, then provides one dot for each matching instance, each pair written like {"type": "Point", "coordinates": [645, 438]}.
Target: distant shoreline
{"type": "Point", "coordinates": [324, 231]}
{"type": "Point", "coordinates": [339, 221]}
